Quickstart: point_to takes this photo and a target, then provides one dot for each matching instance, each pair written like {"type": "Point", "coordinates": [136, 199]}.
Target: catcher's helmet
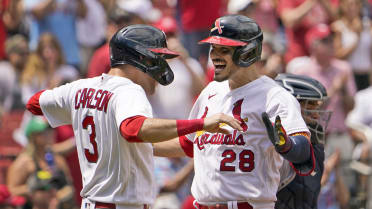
{"type": "Point", "coordinates": [302, 87]}
{"type": "Point", "coordinates": [145, 48]}
{"type": "Point", "coordinates": [240, 31]}
{"type": "Point", "coordinates": [306, 89]}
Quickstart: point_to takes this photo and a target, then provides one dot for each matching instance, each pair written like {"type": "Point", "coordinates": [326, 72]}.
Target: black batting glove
{"type": "Point", "coordinates": [277, 134]}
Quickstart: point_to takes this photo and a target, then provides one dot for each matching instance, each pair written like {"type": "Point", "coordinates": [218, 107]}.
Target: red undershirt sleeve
{"type": "Point", "coordinates": [187, 146]}
{"type": "Point", "coordinates": [189, 126]}
{"type": "Point", "coordinates": [33, 104]}
{"type": "Point", "coordinates": [130, 127]}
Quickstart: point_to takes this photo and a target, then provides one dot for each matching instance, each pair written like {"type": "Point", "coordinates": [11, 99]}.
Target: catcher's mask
{"type": "Point", "coordinates": [145, 48]}
{"type": "Point", "coordinates": [239, 31]}
{"type": "Point", "coordinates": [312, 96]}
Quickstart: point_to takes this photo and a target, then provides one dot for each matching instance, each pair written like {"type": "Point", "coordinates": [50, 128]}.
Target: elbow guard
{"type": "Point", "coordinates": [299, 151]}
{"type": "Point", "coordinates": [301, 155]}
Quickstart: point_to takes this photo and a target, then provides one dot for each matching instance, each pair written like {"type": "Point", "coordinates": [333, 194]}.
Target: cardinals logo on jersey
{"type": "Point", "coordinates": [234, 138]}
{"type": "Point", "coordinates": [237, 112]}
{"type": "Point", "coordinates": [203, 138]}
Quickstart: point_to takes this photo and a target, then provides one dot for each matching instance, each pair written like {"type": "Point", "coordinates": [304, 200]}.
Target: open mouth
{"type": "Point", "coordinates": [219, 68]}
{"type": "Point", "coordinates": [218, 65]}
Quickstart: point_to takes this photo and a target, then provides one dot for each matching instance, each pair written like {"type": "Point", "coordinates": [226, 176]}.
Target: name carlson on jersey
{"type": "Point", "coordinates": [203, 138]}
{"type": "Point", "coordinates": [92, 99]}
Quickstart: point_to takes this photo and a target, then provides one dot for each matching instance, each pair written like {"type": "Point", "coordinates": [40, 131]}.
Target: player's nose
{"type": "Point", "coordinates": [314, 115]}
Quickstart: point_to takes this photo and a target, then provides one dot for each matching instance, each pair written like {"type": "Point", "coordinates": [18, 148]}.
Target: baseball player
{"type": "Point", "coordinates": [302, 192]}
{"type": "Point", "coordinates": [240, 170]}
{"type": "Point", "coordinates": [111, 117]}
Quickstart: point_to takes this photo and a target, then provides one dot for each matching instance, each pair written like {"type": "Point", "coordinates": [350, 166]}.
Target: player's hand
{"type": "Point", "coordinates": [276, 133]}
{"type": "Point", "coordinates": [216, 122]}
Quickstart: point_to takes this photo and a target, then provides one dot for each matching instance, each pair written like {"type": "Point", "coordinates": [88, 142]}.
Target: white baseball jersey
{"type": "Point", "coordinates": [113, 169]}
{"type": "Point", "coordinates": [241, 166]}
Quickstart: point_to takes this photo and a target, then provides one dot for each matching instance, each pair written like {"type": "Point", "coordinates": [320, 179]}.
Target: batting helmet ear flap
{"type": "Point", "coordinates": [245, 56]}
{"type": "Point", "coordinates": [165, 76]}
{"type": "Point", "coordinates": [150, 63]}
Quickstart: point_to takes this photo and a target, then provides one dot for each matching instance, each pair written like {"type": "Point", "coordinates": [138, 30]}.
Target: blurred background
{"type": "Point", "coordinates": [46, 43]}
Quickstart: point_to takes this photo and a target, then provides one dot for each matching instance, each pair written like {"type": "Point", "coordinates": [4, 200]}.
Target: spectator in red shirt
{"type": "Point", "coordinates": [196, 18]}
{"type": "Point", "coordinates": [298, 17]}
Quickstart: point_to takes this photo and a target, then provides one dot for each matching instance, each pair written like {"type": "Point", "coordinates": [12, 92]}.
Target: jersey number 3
{"type": "Point", "coordinates": [91, 157]}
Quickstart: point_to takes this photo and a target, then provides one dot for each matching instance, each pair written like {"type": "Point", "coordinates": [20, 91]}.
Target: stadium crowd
{"type": "Point", "coordinates": [46, 43]}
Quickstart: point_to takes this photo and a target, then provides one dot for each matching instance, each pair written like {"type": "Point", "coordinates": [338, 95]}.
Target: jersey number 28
{"type": "Point", "coordinates": [91, 157]}
{"type": "Point", "coordinates": [246, 157]}
{"type": "Point", "coordinates": [246, 160]}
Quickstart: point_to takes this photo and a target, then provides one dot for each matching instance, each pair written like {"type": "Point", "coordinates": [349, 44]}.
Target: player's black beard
{"type": "Point", "coordinates": [317, 133]}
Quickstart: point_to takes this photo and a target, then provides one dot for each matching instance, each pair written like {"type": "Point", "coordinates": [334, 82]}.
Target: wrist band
{"type": "Point", "coordinates": [189, 126]}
